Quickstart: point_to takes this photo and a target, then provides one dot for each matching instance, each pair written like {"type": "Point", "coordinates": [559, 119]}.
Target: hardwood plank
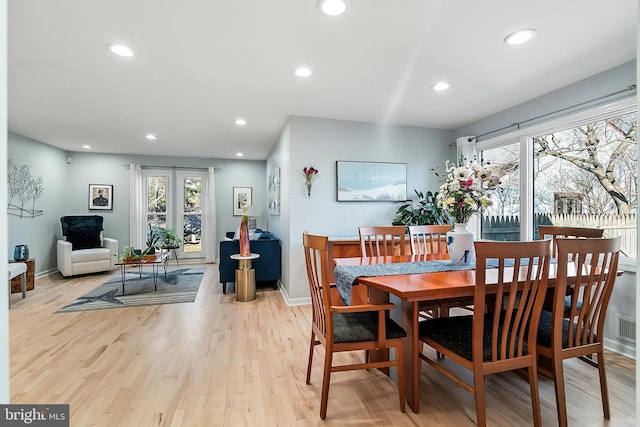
{"type": "Point", "coordinates": [216, 362]}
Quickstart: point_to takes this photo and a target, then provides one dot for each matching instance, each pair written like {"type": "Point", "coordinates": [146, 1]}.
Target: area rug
{"type": "Point", "coordinates": [180, 285]}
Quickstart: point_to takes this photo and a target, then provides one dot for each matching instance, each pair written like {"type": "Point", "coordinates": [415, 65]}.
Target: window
{"type": "Point", "coordinates": [577, 171]}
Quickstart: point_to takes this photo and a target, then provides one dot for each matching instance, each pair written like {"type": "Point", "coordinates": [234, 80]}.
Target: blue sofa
{"type": "Point", "coordinates": [268, 266]}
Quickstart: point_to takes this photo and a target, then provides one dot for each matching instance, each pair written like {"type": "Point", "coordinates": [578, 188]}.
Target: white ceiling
{"type": "Point", "coordinates": [200, 64]}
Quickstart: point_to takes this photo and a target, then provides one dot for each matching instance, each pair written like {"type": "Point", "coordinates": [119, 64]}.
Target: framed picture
{"type": "Point", "coordinates": [100, 197]}
{"type": "Point", "coordinates": [371, 182]}
{"type": "Point", "coordinates": [274, 191]}
{"type": "Point", "coordinates": [241, 197]}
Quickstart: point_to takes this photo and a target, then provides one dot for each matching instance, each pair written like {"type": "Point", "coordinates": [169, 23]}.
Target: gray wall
{"type": "Point", "coordinates": [320, 143]}
{"type": "Point", "coordinates": [67, 187]}
{"type": "Point", "coordinates": [40, 232]}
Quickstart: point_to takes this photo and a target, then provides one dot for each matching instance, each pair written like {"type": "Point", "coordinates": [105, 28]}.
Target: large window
{"type": "Point", "coordinates": [576, 171]}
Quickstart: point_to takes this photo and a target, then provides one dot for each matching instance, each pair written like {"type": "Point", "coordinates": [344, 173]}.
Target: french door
{"type": "Point", "coordinates": [176, 199]}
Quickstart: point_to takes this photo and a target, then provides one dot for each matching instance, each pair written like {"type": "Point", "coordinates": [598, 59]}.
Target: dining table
{"type": "Point", "coordinates": [412, 289]}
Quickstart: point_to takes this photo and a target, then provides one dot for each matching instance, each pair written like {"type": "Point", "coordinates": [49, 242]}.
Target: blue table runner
{"type": "Point", "coordinates": [346, 275]}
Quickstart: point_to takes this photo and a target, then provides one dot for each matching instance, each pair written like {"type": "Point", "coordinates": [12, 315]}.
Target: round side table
{"type": "Point", "coordinates": [245, 277]}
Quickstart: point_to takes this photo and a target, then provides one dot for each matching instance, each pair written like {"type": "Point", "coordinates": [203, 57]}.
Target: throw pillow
{"type": "Point", "coordinates": [84, 237]}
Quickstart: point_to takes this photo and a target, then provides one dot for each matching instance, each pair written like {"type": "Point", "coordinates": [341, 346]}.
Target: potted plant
{"type": "Point", "coordinates": [130, 253]}
{"type": "Point", "coordinates": [423, 211]}
{"type": "Point", "coordinates": [155, 240]}
{"type": "Point", "coordinates": [171, 238]}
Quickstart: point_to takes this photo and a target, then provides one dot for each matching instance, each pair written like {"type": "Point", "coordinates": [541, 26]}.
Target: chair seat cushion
{"type": "Point", "coordinates": [454, 333]}
{"type": "Point", "coordinates": [16, 268]}
{"type": "Point", "coordinates": [544, 330]}
{"type": "Point", "coordinates": [90, 255]}
{"type": "Point", "coordinates": [356, 327]}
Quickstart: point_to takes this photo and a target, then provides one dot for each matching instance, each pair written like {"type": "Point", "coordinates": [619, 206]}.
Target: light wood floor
{"type": "Point", "coordinates": [218, 362]}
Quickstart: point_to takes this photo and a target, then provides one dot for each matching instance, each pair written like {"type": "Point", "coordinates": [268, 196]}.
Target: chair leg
{"type": "Point", "coordinates": [558, 382]}
{"type": "Point", "coordinates": [603, 385]}
{"type": "Point", "coordinates": [311, 346]}
{"type": "Point", "coordinates": [535, 396]}
{"type": "Point", "coordinates": [481, 401]}
{"type": "Point", "coordinates": [326, 378]}
{"type": "Point", "coordinates": [401, 376]}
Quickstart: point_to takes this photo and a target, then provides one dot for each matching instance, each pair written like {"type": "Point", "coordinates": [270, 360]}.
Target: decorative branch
{"type": "Point", "coordinates": [25, 188]}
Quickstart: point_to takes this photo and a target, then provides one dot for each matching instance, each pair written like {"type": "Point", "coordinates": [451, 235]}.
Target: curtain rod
{"type": "Point", "coordinates": [175, 168]}
{"type": "Point", "coordinates": [518, 124]}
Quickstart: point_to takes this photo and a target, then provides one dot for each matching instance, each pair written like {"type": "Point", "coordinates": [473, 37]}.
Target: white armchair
{"type": "Point", "coordinates": [84, 250]}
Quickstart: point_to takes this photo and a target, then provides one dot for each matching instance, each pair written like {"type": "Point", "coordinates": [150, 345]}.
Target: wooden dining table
{"type": "Point", "coordinates": [413, 289]}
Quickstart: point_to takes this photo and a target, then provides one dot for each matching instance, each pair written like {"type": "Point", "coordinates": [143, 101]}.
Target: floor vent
{"type": "Point", "coordinates": [626, 328]}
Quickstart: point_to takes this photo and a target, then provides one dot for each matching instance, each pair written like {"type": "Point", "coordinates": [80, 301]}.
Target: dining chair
{"type": "Point", "coordinates": [561, 231]}
{"type": "Point", "coordinates": [579, 331]}
{"type": "Point", "coordinates": [498, 341]}
{"type": "Point", "coordinates": [431, 239]}
{"type": "Point", "coordinates": [382, 240]}
{"type": "Point", "coordinates": [346, 328]}
{"type": "Point", "coordinates": [555, 231]}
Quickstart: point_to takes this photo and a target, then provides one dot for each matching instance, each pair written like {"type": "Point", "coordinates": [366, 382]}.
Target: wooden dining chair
{"type": "Point", "coordinates": [501, 340]}
{"type": "Point", "coordinates": [555, 231]}
{"type": "Point", "coordinates": [346, 328]}
{"type": "Point", "coordinates": [579, 331]}
{"type": "Point", "coordinates": [382, 240]}
{"type": "Point", "coordinates": [432, 239]}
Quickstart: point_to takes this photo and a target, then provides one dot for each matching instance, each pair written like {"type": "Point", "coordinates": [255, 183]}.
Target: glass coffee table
{"type": "Point", "coordinates": [155, 261]}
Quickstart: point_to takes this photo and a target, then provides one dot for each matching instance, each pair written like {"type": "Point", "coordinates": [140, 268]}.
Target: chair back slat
{"type": "Point", "coordinates": [428, 239]}
{"type": "Point", "coordinates": [517, 289]}
{"type": "Point", "coordinates": [560, 231]}
{"type": "Point", "coordinates": [382, 241]}
{"type": "Point", "coordinates": [596, 263]}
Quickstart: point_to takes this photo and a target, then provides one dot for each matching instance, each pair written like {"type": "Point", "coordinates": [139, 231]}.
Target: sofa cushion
{"type": "Point", "coordinates": [84, 237]}
{"type": "Point", "coordinates": [90, 255]}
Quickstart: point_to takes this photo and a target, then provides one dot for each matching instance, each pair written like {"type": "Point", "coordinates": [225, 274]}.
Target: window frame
{"type": "Point", "coordinates": [525, 138]}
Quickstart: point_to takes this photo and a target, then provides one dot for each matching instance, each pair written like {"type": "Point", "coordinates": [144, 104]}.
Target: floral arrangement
{"type": "Point", "coordinates": [309, 173]}
{"type": "Point", "coordinates": [466, 190]}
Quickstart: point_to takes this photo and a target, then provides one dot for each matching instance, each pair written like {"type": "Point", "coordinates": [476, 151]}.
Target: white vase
{"type": "Point", "coordinates": [460, 245]}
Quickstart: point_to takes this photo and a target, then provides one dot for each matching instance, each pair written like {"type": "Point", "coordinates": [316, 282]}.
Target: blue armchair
{"type": "Point", "coordinates": [267, 267]}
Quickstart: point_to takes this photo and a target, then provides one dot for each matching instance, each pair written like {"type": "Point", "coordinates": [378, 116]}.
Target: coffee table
{"type": "Point", "coordinates": [154, 261]}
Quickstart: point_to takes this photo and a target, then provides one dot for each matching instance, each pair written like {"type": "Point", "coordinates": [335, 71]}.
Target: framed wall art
{"type": "Point", "coordinates": [371, 181]}
{"type": "Point", "coordinates": [274, 191]}
{"type": "Point", "coordinates": [100, 197]}
{"type": "Point", "coordinates": [241, 196]}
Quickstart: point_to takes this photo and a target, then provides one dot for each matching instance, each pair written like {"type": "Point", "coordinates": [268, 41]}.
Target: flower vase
{"type": "Point", "coordinates": [308, 185]}
{"type": "Point", "coordinates": [460, 245]}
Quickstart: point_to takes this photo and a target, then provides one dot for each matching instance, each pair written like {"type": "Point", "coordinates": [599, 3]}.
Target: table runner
{"type": "Point", "coordinates": [346, 275]}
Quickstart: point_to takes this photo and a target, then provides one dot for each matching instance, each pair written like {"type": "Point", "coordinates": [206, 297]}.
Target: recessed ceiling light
{"type": "Point", "coordinates": [441, 86]}
{"type": "Point", "coordinates": [86, 147]}
{"type": "Point", "coordinates": [121, 50]}
{"type": "Point", "coordinates": [239, 154]}
{"type": "Point", "coordinates": [302, 72]}
{"type": "Point", "coordinates": [241, 122]}
{"type": "Point", "coordinates": [520, 37]}
{"type": "Point", "coordinates": [333, 7]}
{"type": "Point", "coordinates": [151, 137]}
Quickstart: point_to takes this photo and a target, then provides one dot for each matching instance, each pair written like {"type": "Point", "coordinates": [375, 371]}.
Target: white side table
{"type": "Point", "coordinates": [245, 277]}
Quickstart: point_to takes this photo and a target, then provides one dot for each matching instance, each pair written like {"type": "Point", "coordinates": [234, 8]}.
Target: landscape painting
{"type": "Point", "coordinates": [371, 181]}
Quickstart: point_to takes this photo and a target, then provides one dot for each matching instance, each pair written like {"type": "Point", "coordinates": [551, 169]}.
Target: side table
{"type": "Point", "coordinates": [245, 278]}
{"type": "Point", "coordinates": [31, 272]}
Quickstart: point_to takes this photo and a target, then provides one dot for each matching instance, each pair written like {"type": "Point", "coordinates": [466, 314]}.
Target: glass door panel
{"type": "Point", "coordinates": [501, 220]}
{"type": "Point", "coordinates": [190, 212]}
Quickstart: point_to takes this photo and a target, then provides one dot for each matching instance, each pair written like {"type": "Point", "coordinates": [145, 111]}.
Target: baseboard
{"type": "Point", "coordinates": [46, 273]}
{"type": "Point", "coordinates": [292, 301]}
{"type": "Point", "coordinates": [624, 349]}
